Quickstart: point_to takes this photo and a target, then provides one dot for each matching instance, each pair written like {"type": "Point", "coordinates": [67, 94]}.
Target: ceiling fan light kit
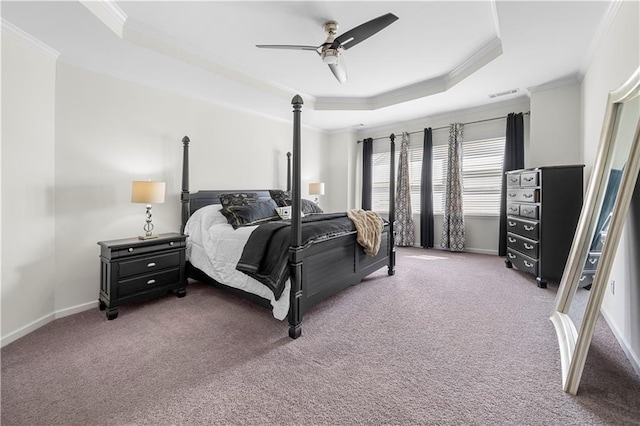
{"type": "Point", "coordinates": [331, 50]}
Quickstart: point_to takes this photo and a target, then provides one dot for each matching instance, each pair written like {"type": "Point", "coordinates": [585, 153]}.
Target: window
{"type": "Point", "coordinates": [481, 176]}
{"type": "Point", "coordinates": [381, 161]}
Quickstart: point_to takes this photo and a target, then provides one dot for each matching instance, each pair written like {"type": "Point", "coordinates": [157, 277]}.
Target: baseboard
{"type": "Point", "coordinates": [626, 348]}
{"type": "Point", "coordinates": [470, 250]}
{"type": "Point", "coordinates": [46, 319]}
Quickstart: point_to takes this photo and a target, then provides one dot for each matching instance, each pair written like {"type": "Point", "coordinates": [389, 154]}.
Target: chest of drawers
{"type": "Point", "coordinates": [132, 270]}
{"type": "Point", "coordinates": [543, 206]}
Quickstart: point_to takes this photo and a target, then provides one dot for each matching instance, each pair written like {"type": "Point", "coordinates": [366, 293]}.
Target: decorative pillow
{"type": "Point", "coordinates": [309, 207]}
{"type": "Point", "coordinates": [282, 198]}
{"type": "Point", "coordinates": [238, 198]}
{"type": "Point", "coordinates": [284, 212]}
{"type": "Point", "coordinates": [250, 214]}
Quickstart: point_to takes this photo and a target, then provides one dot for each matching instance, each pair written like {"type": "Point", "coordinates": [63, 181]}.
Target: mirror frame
{"type": "Point", "coordinates": [574, 345]}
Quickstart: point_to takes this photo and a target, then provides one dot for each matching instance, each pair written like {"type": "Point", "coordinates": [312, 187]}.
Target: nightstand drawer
{"type": "Point", "coordinates": [148, 282]}
{"type": "Point", "coordinates": [133, 250]}
{"type": "Point", "coordinates": [149, 264]}
{"type": "Point", "coordinates": [523, 245]}
{"type": "Point", "coordinates": [522, 227]}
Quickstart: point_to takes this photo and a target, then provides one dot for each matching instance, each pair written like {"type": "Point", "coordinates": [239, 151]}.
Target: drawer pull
{"type": "Point", "coordinates": [513, 209]}
{"type": "Point", "coordinates": [130, 249]}
{"type": "Point", "coordinates": [511, 256]}
{"type": "Point", "coordinates": [512, 180]}
{"type": "Point", "coordinates": [527, 211]}
{"type": "Point", "coordinates": [582, 278]}
{"type": "Point", "coordinates": [527, 264]}
{"type": "Point", "coordinates": [528, 246]}
{"type": "Point", "coordinates": [151, 265]}
{"type": "Point", "coordinates": [528, 228]}
{"type": "Point", "coordinates": [512, 240]}
{"type": "Point", "coordinates": [528, 195]}
{"type": "Point", "coordinates": [512, 224]}
{"type": "Point", "coordinates": [512, 195]}
{"type": "Point", "coordinates": [151, 282]}
{"type": "Point", "coordinates": [528, 179]}
{"type": "Point", "coordinates": [593, 261]}
{"type": "Point", "coordinates": [171, 243]}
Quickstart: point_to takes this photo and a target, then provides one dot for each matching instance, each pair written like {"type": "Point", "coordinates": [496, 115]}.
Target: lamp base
{"type": "Point", "coordinates": [147, 237]}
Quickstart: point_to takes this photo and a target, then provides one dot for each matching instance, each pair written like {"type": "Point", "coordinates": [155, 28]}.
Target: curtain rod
{"type": "Point", "coordinates": [446, 127]}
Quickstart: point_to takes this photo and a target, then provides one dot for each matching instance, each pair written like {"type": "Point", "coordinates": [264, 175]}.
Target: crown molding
{"type": "Point", "coordinates": [28, 39]}
{"type": "Point", "coordinates": [109, 13]}
{"type": "Point", "coordinates": [554, 84]}
{"type": "Point", "coordinates": [602, 29]}
{"type": "Point", "coordinates": [421, 89]}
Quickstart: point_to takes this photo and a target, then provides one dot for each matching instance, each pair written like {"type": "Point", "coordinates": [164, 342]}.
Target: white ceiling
{"type": "Point", "coordinates": [438, 57]}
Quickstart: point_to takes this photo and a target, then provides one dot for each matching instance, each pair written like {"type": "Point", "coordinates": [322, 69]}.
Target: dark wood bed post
{"type": "Point", "coordinates": [288, 171]}
{"type": "Point", "coordinates": [392, 206]}
{"type": "Point", "coordinates": [184, 195]}
{"type": "Point", "coordinates": [295, 307]}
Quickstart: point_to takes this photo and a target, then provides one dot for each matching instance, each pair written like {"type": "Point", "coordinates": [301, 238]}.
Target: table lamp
{"type": "Point", "coordinates": [316, 188]}
{"type": "Point", "coordinates": [148, 193]}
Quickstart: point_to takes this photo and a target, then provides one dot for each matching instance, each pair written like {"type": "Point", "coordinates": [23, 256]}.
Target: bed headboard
{"type": "Point", "coordinates": [194, 201]}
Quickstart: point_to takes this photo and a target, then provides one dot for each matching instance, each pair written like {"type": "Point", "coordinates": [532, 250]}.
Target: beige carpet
{"type": "Point", "coordinates": [450, 339]}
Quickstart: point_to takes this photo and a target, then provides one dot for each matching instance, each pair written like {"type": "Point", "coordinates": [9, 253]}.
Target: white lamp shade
{"type": "Point", "coordinates": [316, 188]}
{"type": "Point", "coordinates": [147, 192]}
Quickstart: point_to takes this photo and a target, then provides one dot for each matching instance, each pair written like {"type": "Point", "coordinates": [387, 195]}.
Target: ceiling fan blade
{"type": "Point", "coordinates": [363, 31]}
{"type": "Point", "coordinates": [287, 46]}
{"type": "Point", "coordinates": [339, 70]}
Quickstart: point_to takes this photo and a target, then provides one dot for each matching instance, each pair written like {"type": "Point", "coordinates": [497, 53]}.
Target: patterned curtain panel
{"type": "Point", "coordinates": [453, 237]}
{"type": "Point", "coordinates": [404, 220]}
{"type": "Point", "coordinates": [426, 192]}
{"type": "Point", "coordinates": [513, 160]}
{"type": "Point", "coordinates": [367, 173]}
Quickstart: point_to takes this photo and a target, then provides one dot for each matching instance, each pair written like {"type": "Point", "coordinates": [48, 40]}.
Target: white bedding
{"type": "Point", "coordinates": [214, 247]}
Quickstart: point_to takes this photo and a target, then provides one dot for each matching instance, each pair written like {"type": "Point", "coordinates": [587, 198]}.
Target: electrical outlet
{"type": "Point", "coordinates": [612, 284]}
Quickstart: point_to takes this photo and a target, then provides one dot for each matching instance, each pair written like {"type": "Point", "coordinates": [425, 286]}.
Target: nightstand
{"type": "Point", "coordinates": [132, 270]}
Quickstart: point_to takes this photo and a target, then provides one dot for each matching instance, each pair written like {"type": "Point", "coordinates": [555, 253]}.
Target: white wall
{"type": "Point", "coordinates": [555, 126]}
{"type": "Point", "coordinates": [338, 172]}
{"type": "Point", "coordinates": [481, 231]}
{"type": "Point", "coordinates": [615, 59]}
{"type": "Point", "coordinates": [28, 192]}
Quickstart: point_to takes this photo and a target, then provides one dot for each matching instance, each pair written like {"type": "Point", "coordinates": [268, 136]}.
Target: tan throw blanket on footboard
{"type": "Point", "coordinates": [369, 226]}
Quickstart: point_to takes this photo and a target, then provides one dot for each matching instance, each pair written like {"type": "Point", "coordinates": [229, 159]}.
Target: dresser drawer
{"type": "Point", "coordinates": [529, 179]}
{"type": "Point", "coordinates": [149, 264]}
{"type": "Point", "coordinates": [530, 211]}
{"type": "Point", "coordinates": [526, 228]}
{"type": "Point", "coordinates": [148, 282]}
{"type": "Point", "coordinates": [586, 279]}
{"type": "Point", "coordinates": [523, 245]}
{"type": "Point", "coordinates": [513, 209]}
{"type": "Point", "coordinates": [591, 264]}
{"type": "Point", "coordinates": [522, 262]}
{"type": "Point", "coordinates": [513, 180]}
{"type": "Point", "coordinates": [525, 195]}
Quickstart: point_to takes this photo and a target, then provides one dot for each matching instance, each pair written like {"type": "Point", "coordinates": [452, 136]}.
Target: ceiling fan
{"type": "Point", "coordinates": [331, 50]}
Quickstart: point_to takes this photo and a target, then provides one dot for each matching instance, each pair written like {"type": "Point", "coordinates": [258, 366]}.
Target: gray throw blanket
{"type": "Point", "coordinates": [369, 226]}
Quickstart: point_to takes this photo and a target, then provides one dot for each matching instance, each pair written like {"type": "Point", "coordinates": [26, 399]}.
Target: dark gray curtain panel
{"type": "Point", "coordinates": [513, 160]}
{"type": "Point", "coordinates": [426, 191]}
{"type": "Point", "coordinates": [367, 172]}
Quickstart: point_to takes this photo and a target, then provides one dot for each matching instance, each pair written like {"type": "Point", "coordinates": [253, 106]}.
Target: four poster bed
{"type": "Point", "coordinates": [316, 266]}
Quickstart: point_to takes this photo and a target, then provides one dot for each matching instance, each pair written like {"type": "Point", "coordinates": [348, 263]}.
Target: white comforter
{"type": "Point", "coordinates": [214, 247]}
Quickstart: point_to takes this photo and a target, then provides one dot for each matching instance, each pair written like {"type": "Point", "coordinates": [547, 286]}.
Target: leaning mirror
{"type": "Point", "coordinates": [603, 215]}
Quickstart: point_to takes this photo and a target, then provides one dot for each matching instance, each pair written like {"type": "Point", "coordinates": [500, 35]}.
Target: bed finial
{"type": "Point", "coordinates": [297, 100]}
{"type": "Point", "coordinates": [186, 140]}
